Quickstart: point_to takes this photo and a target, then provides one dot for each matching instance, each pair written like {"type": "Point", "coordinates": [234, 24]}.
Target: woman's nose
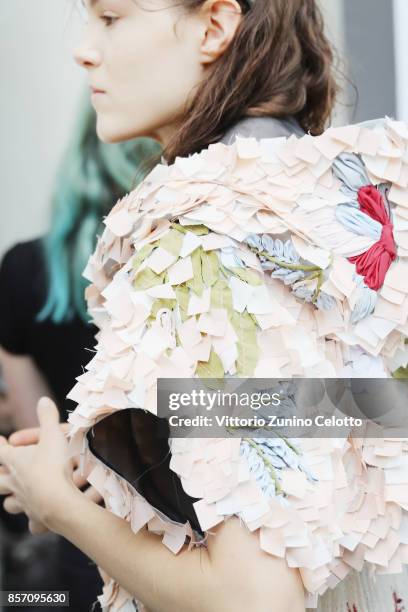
{"type": "Point", "coordinates": [86, 56]}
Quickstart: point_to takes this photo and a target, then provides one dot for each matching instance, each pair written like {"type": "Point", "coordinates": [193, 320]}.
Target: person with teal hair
{"type": "Point", "coordinates": [46, 312]}
{"type": "Point", "coordinates": [91, 174]}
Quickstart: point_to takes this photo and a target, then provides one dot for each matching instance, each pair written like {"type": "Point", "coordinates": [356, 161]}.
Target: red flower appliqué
{"type": "Point", "coordinates": [373, 265]}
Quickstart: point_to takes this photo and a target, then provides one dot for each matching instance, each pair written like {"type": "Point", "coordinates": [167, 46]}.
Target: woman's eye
{"type": "Point", "coordinates": [108, 19]}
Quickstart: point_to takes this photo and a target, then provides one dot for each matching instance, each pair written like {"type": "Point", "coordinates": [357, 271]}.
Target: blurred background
{"type": "Point", "coordinates": [41, 85]}
{"type": "Point", "coordinates": [41, 93]}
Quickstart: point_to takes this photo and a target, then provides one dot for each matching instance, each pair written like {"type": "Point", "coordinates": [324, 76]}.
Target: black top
{"type": "Point", "coordinates": [57, 350]}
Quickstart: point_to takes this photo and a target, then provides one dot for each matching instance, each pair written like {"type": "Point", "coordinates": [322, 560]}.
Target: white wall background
{"type": "Point", "coordinates": [40, 88]}
{"type": "Point", "coordinates": [40, 85]}
{"type": "Point", "coordinates": [333, 11]}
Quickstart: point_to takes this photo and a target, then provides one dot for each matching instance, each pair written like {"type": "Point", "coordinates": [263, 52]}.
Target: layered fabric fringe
{"type": "Point", "coordinates": [243, 261]}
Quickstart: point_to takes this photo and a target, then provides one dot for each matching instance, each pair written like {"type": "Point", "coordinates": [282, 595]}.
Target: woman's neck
{"type": "Point", "coordinates": [164, 134]}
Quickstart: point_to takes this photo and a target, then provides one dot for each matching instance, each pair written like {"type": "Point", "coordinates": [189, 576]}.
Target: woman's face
{"type": "Point", "coordinates": [143, 61]}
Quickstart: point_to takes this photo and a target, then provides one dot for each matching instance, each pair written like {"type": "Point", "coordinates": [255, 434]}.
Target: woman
{"type": "Point", "coordinates": [49, 311]}
{"type": "Point", "coordinates": [214, 63]}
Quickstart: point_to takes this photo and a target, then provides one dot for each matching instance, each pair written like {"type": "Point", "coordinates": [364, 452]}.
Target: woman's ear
{"type": "Point", "coordinates": [221, 20]}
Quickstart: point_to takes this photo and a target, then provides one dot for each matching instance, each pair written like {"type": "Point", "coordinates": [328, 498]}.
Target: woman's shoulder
{"type": "Point", "coordinates": [292, 199]}
{"type": "Point", "coordinates": [21, 276]}
{"type": "Point", "coordinates": [22, 254]}
{"type": "Point", "coordinates": [20, 262]}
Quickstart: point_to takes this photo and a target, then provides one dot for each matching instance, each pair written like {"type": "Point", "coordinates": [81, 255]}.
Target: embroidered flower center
{"type": "Point", "coordinates": [373, 264]}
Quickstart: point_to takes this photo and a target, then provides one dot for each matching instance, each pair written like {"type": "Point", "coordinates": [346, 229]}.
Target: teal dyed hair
{"type": "Point", "coordinates": [91, 177]}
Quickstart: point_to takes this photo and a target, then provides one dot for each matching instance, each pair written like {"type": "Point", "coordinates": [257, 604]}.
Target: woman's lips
{"type": "Point", "coordinates": [96, 90]}
{"type": "Point", "coordinates": [96, 94]}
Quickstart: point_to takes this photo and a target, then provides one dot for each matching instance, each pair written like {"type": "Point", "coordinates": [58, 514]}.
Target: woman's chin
{"type": "Point", "coordinates": [111, 134]}
{"type": "Point", "coordinates": [109, 137]}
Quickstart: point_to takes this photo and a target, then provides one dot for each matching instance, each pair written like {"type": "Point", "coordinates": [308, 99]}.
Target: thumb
{"type": "Point", "coordinates": [48, 415]}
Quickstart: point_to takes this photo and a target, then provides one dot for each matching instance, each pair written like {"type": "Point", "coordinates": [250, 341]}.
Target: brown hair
{"type": "Point", "coordinates": [279, 64]}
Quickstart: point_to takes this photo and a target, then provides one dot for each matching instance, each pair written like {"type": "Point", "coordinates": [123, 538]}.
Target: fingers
{"type": "Point", "coordinates": [31, 435]}
{"type": "Point", "coordinates": [94, 495]}
{"type": "Point", "coordinates": [5, 451]}
{"type": "Point", "coordinates": [48, 415]}
{"type": "Point", "coordinates": [90, 492]}
{"type": "Point", "coordinates": [7, 484]}
{"type": "Point", "coordinates": [51, 439]}
{"type": "Point", "coordinates": [65, 427]}
{"type": "Point", "coordinates": [12, 505]}
{"type": "Point", "coordinates": [78, 479]}
{"type": "Point", "coordinates": [25, 437]}
{"type": "Point", "coordinates": [36, 528]}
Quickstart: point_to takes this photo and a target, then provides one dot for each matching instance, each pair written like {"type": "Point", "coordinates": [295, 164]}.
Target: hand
{"type": "Point", "coordinates": [24, 437]}
{"type": "Point", "coordinates": [38, 477]}
{"type": "Point", "coordinates": [13, 506]}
